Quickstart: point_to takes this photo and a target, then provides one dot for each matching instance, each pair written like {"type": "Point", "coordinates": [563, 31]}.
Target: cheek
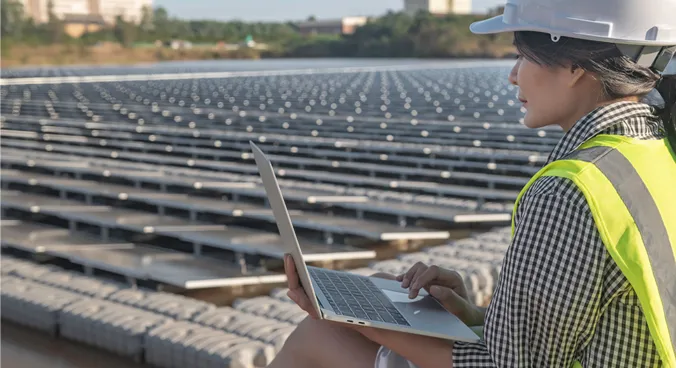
{"type": "Point", "coordinates": [534, 82]}
{"type": "Point", "coordinates": [540, 86]}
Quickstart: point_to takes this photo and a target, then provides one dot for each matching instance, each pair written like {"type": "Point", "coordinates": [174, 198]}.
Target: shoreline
{"type": "Point", "coordinates": [54, 56]}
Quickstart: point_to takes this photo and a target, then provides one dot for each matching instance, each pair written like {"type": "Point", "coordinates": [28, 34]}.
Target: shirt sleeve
{"type": "Point", "coordinates": [546, 303]}
{"type": "Point", "coordinates": [474, 355]}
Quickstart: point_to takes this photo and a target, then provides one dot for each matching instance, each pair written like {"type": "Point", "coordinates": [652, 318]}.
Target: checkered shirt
{"type": "Point", "coordinates": [560, 296]}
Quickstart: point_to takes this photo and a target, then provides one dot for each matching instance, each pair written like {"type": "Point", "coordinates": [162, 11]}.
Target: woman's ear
{"type": "Point", "coordinates": [576, 74]}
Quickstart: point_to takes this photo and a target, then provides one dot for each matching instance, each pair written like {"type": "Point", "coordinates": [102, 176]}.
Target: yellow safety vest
{"type": "Point", "coordinates": [630, 186]}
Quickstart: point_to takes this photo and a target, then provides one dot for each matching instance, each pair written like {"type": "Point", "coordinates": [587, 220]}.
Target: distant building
{"type": "Point", "coordinates": [346, 25]}
{"type": "Point", "coordinates": [438, 6]}
{"type": "Point", "coordinates": [39, 9]}
{"type": "Point", "coordinates": [130, 10]}
{"type": "Point", "coordinates": [86, 10]}
{"type": "Point", "coordinates": [460, 6]}
{"type": "Point", "coordinates": [76, 25]}
{"type": "Point", "coordinates": [33, 9]}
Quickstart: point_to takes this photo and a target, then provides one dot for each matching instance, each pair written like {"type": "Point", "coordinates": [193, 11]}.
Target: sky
{"type": "Point", "coordinates": [283, 10]}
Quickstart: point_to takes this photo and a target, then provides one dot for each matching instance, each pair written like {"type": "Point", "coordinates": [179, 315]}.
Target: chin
{"type": "Point", "coordinates": [531, 120]}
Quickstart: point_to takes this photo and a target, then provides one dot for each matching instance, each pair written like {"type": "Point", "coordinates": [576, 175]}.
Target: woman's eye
{"type": "Point", "coordinates": [517, 57]}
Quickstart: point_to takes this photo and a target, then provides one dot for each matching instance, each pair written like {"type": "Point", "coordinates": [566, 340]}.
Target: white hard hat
{"type": "Point", "coordinates": [643, 30]}
{"type": "Point", "coordinates": [636, 22]}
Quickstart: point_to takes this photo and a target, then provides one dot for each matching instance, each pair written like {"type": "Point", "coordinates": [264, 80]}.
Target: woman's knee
{"type": "Point", "coordinates": [295, 352]}
{"type": "Point", "coordinates": [327, 338]}
{"type": "Point", "coordinates": [308, 332]}
{"type": "Point", "coordinates": [321, 343]}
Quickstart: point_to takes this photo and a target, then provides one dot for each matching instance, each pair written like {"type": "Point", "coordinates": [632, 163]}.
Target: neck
{"type": "Point", "coordinates": [585, 108]}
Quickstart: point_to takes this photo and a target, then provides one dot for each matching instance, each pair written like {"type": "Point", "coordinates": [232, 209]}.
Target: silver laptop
{"type": "Point", "coordinates": [349, 298]}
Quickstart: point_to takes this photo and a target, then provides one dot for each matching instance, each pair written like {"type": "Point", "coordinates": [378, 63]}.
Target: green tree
{"type": "Point", "coordinates": [161, 23]}
{"type": "Point", "coordinates": [125, 32]}
{"type": "Point", "coordinates": [146, 23]}
{"type": "Point", "coordinates": [12, 20]}
{"type": "Point", "coordinates": [54, 25]}
{"type": "Point", "coordinates": [496, 11]}
{"type": "Point", "coordinates": [394, 34]}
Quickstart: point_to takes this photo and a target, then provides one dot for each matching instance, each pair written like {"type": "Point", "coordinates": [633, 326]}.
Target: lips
{"type": "Point", "coordinates": [522, 100]}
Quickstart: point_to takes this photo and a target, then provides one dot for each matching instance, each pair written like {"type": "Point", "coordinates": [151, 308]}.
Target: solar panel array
{"type": "Point", "coordinates": [168, 330]}
{"type": "Point", "coordinates": [152, 180]}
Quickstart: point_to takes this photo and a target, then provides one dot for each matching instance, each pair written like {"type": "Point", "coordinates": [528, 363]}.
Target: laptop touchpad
{"type": "Point", "coordinates": [414, 306]}
{"type": "Point", "coordinates": [397, 297]}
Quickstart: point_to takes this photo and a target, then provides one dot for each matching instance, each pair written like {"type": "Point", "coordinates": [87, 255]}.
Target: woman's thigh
{"type": "Point", "coordinates": [324, 344]}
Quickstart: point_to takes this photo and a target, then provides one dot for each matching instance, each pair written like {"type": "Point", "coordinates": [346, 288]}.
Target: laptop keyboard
{"type": "Point", "coordinates": [356, 296]}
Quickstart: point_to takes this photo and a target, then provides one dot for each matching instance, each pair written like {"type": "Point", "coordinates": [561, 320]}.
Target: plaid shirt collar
{"type": "Point", "coordinates": [633, 119]}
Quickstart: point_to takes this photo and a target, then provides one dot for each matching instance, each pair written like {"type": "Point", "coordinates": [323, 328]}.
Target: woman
{"type": "Point", "coordinates": [589, 278]}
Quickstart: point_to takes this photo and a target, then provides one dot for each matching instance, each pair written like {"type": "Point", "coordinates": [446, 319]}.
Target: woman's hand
{"type": "Point", "coordinates": [447, 287]}
{"type": "Point", "coordinates": [444, 285]}
{"type": "Point", "coordinates": [296, 292]}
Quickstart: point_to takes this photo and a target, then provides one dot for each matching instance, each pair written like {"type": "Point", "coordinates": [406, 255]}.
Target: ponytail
{"type": "Point", "coordinates": [667, 88]}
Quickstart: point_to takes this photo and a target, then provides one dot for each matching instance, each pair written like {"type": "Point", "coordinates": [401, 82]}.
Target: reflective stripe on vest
{"type": "Point", "coordinates": [638, 230]}
{"type": "Point", "coordinates": [643, 210]}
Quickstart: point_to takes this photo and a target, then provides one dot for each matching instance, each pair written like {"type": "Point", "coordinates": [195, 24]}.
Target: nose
{"type": "Point", "coordinates": [514, 73]}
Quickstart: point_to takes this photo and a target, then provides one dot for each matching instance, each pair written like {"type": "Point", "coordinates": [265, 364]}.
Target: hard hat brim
{"type": "Point", "coordinates": [494, 25]}
{"type": "Point", "coordinates": [497, 25]}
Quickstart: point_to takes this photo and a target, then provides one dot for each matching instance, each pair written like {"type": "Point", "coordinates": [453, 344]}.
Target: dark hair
{"type": "Point", "coordinates": [619, 75]}
{"type": "Point", "coordinates": [667, 89]}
